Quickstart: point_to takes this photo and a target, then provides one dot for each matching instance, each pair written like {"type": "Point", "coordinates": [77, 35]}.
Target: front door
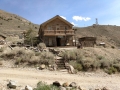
{"type": "Point", "coordinates": [58, 40]}
{"type": "Point", "coordinates": [50, 41]}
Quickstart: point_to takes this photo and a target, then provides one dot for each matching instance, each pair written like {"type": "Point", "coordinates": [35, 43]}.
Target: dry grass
{"type": "Point", "coordinates": [20, 55]}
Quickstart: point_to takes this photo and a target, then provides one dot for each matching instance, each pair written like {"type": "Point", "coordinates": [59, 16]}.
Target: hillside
{"type": "Point", "coordinates": [14, 24]}
{"type": "Point", "coordinates": [104, 33]}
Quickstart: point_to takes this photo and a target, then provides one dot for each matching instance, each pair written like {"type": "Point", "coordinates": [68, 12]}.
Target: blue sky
{"type": "Point", "coordinates": [81, 13]}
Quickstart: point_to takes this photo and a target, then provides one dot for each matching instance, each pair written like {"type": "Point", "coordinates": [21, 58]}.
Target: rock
{"type": "Point", "coordinates": [54, 66]}
{"type": "Point", "coordinates": [11, 84]}
{"type": "Point", "coordinates": [104, 88]}
{"type": "Point", "coordinates": [56, 83]}
{"type": "Point", "coordinates": [62, 88]}
{"type": "Point", "coordinates": [65, 84]}
{"type": "Point", "coordinates": [97, 89]}
{"type": "Point", "coordinates": [42, 67]}
{"type": "Point", "coordinates": [27, 87]}
{"type": "Point", "coordinates": [71, 69]}
{"type": "Point", "coordinates": [73, 84]}
{"type": "Point", "coordinates": [79, 88]}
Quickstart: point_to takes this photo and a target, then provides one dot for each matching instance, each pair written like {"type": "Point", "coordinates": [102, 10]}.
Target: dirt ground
{"type": "Point", "coordinates": [31, 76]}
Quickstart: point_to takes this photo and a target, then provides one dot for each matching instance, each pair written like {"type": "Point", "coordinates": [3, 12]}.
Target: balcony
{"type": "Point", "coordinates": [58, 32]}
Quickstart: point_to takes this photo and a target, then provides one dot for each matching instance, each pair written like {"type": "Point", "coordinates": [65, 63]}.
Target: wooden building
{"type": "Point", "coordinates": [87, 41]}
{"type": "Point", "coordinates": [56, 32]}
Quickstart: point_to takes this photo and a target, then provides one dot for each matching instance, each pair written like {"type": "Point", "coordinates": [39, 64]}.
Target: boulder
{"type": "Point", "coordinates": [73, 84]}
{"type": "Point", "coordinates": [65, 84]}
{"type": "Point", "coordinates": [42, 67]}
{"type": "Point", "coordinates": [79, 88]}
{"type": "Point", "coordinates": [11, 84]}
{"type": "Point", "coordinates": [71, 69]}
{"type": "Point", "coordinates": [27, 87]}
{"type": "Point", "coordinates": [56, 83]}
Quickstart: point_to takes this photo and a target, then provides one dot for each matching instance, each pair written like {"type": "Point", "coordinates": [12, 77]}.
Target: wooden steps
{"type": "Point", "coordinates": [60, 63]}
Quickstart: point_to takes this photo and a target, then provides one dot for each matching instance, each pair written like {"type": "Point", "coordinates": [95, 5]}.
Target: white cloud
{"type": "Point", "coordinates": [74, 24]}
{"type": "Point", "coordinates": [63, 17]}
{"type": "Point", "coordinates": [80, 18]}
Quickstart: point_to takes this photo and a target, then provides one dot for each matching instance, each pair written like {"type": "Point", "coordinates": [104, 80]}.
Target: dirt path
{"type": "Point", "coordinates": [85, 80]}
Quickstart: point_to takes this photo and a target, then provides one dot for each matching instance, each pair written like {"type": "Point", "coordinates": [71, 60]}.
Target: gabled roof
{"type": "Point", "coordinates": [55, 17]}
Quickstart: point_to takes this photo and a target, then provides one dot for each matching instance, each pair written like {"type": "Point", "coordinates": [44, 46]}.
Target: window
{"type": "Point", "coordinates": [49, 28]}
{"type": "Point", "coordinates": [65, 27]}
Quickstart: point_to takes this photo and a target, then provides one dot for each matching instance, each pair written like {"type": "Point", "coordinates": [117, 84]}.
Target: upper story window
{"type": "Point", "coordinates": [66, 28]}
{"type": "Point", "coordinates": [48, 28]}
{"type": "Point", "coordinates": [57, 27]}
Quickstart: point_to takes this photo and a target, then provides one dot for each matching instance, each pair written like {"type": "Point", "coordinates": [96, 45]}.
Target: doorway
{"type": "Point", "coordinates": [58, 40]}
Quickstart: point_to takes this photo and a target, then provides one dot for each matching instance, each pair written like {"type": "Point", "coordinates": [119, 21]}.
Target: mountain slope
{"type": "Point", "coordinates": [104, 33]}
{"type": "Point", "coordinates": [14, 24]}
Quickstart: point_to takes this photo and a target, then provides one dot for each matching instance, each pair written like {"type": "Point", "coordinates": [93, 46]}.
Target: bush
{"type": "Point", "coordinates": [70, 54]}
{"type": "Point", "coordinates": [8, 54]}
{"type": "Point", "coordinates": [96, 64]}
{"type": "Point", "coordinates": [87, 63]}
{"type": "Point", "coordinates": [76, 65]}
{"type": "Point", "coordinates": [117, 66]}
{"type": "Point", "coordinates": [43, 86]}
{"type": "Point", "coordinates": [1, 63]}
{"type": "Point", "coordinates": [46, 58]}
{"type": "Point", "coordinates": [34, 60]}
{"type": "Point", "coordinates": [41, 46]}
{"type": "Point", "coordinates": [111, 70]}
{"type": "Point", "coordinates": [1, 49]}
{"type": "Point", "coordinates": [105, 63]}
{"type": "Point", "coordinates": [100, 57]}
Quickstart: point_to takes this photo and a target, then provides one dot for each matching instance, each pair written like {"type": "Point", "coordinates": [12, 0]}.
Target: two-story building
{"type": "Point", "coordinates": [57, 32]}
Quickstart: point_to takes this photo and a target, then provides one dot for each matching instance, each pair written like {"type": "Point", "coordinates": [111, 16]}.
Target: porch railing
{"type": "Point", "coordinates": [59, 32]}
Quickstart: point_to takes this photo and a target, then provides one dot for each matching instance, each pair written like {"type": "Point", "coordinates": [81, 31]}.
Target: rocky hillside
{"type": "Point", "coordinates": [14, 24]}
{"type": "Point", "coordinates": [104, 33]}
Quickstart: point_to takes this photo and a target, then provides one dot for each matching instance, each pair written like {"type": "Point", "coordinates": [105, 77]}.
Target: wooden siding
{"type": "Point", "coordinates": [58, 32]}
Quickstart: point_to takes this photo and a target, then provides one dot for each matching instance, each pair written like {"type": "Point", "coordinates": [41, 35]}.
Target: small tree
{"type": "Point", "coordinates": [30, 37]}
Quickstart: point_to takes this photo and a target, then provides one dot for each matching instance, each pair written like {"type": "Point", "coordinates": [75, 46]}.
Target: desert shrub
{"type": "Point", "coordinates": [41, 46]}
{"type": "Point", "coordinates": [34, 60]}
{"type": "Point", "coordinates": [65, 55]}
{"type": "Point", "coordinates": [19, 51]}
{"type": "Point", "coordinates": [70, 54]}
{"type": "Point", "coordinates": [96, 64]}
{"type": "Point", "coordinates": [1, 49]}
{"type": "Point", "coordinates": [18, 61]}
{"type": "Point", "coordinates": [46, 58]}
{"type": "Point", "coordinates": [100, 57]}
{"type": "Point", "coordinates": [1, 63]}
{"type": "Point", "coordinates": [111, 70]}
{"type": "Point", "coordinates": [37, 53]}
{"type": "Point", "coordinates": [117, 66]}
{"type": "Point", "coordinates": [8, 54]}
{"type": "Point", "coordinates": [43, 86]}
{"type": "Point", "coordinates": [87, 63]}
{"type": "Point", "coordinates": [27, 56]}
{"type": "Point", "coordinates": [76, 65]}
{"type": "Point", "coordinates": [105, 63]}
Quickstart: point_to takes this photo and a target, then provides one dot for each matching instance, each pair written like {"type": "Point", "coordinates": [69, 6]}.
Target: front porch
{"type": "Point", "coordinates": [53, 41]}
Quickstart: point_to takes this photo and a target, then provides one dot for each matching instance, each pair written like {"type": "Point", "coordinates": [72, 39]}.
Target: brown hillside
{"type": "Point", "coordinates": [14, 24]}
{"type": "Point", "coordinates": [104, 33]}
